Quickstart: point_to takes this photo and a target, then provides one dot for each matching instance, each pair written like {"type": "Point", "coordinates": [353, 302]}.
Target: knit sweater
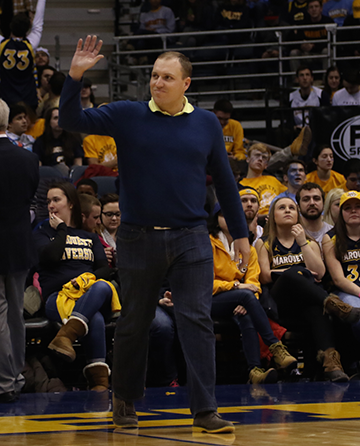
{"type": "Point", "coordinates": [162, 161]}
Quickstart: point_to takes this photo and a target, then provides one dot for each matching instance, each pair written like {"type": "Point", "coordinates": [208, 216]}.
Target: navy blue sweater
{"type": "Point", "coordinates": [162, 161]}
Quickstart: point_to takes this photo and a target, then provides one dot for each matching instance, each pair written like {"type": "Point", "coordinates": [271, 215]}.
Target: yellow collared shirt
{"type": "Point", "coordinates": [188, 108]}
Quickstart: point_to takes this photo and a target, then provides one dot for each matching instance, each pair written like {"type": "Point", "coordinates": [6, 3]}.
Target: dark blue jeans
{"type": "Point", "coordinates": [92, 307]}
{"type": "Point", "coordinates": [145, 257]}
{"type": "Point", "coordinates": [254, 322]}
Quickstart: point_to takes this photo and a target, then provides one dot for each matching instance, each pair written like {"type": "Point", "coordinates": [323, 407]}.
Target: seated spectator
{"type": "Point", "coordinates": [44, 75]}
{"type": "Point", "coordinates": [338, 10]}
{"type": "Point", "coordinates": [268, 187]}
{"type": "Point", "coordinates": [296, 12]}
{"type": "Point", "coordinates": [194, 15]}
{"type": "Point", "coordinates": [72, 264]}
{"type": "Point", "coordinates": [351, 170]}
{"type": "Point", "coordinates": [350, 94]}
{"type": "Point", "coordinates": [232, 130]}
{"type": "Point", "coordinates": [332, 81]}
{"type": "Point", "coordinates": [250, 201]}
{"type": "Point", "coordinates": [87, 186]}
{"type": "Point", "coordinates": [234, 14]}
{"type": "Point", "coordinates": [310, 198]}
{"type": "Point", "coordinates": [90, 213]}
{"type": "Point", "coordinates": [332, 206]}
{"type": "Point", "coordinates": [87, 95]}
{"type": "Point", "coordinates": [52, 99]}
{"type": "Point", "coordinates": [316, 17]}
{"type": "Point", "coordinates": [110, 219]}
{"type": "Point", "coordinates": [289, 264]}
{"type": "Point", "coordinates": [294, 174]}
{"type": "Point", "coordinates": [101, 149]}
{"type": "Point", "coordinates": [17, 60]}
{"type": "Point", "coordinates": [42, 57]}
{"type": "Point", "coordinates": [306, 96]}
{"type": "Point", "coordinates": [235, 296]}
{"type": "Point", "coordinates": [57, 147]}
{"type": "Point", "coordinates": [17, 127]}
{"type": "Point", "coordinates": [324, 176]}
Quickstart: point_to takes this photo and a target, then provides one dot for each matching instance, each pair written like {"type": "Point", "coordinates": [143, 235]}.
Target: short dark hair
{"type": "Point", "coordinates": [56, 82]}
{"type": "Point", "coordinates": [20, 25]}
{"type": "Point", "coordinates": [312, 1]}
{"type": "Point", "coordinates": [16, 109]}
{"type": "Point", "coordinates": [309, 186]}
{"type": "Point", "coordinates": [72, 197]}
{"type": "Point", "coordinates": [351, 166]}
{"type": "Point", "coordinates": [288, 164]}
{"type": "Point", "coordinates": [109, 198]}
{"type": "Point", "coordinates": [88, 182]}
{"type": "Point", "coordinates": [318, 149]}
{"type": "Point", "coordinates": [302, 68]}
{"type": "Point", "coordinates": [223, 105]}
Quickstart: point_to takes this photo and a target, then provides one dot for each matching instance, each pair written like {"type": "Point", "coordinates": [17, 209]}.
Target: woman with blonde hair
{"type": "Point", "coordinates": [331, 206]}
{"type": "Point", "coordinates": [292, 267]}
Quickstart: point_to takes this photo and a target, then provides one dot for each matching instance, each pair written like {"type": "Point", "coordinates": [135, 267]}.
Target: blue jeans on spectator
{"type": "Point", "coordinates": [93, 307]}
{"type": "Point", "coordinates": [254, 322]}
{"type": "Point", "coordinates": [354, 301]}
{"type": "Point", "coordinates": [161, 367]}
{"type": "Point", "coordinates": [145, 257]}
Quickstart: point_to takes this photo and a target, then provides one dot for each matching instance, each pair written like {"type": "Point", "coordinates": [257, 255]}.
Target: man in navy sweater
{"type": "Point", "coordinates": [163, 230]}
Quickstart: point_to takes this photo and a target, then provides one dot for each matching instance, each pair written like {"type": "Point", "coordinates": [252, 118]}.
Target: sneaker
{"type": "Point", "coordinates": [124, 414]}
{"type": "Point", "coordinates": [335, 306]}
{"type": "Point", "coordinates": [212, 423]}
{"type": "Point", "coordinates": [299, 146]}
{"type": "Point", "coordinates": [282, 358]}
{"type": "Point", "coordinates": [260, 376]}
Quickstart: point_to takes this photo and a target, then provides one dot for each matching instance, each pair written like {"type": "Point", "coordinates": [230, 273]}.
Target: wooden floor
{"type": "Point", "coordinates": [293, 414]}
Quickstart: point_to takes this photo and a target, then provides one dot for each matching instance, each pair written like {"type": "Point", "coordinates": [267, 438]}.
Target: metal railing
{"type": "Point", "coordinates": [225, 72]}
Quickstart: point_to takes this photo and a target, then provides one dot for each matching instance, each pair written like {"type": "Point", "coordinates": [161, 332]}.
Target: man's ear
{"type": "Point", "coordinates": [83, 218]}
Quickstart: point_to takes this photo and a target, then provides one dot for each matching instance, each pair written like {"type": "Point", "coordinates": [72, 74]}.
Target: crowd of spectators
{"type": "Point", "coordinates": [292, 218]}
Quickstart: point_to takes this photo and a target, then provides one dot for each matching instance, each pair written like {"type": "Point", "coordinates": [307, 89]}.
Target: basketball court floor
{"type": "Point", "coordinates": [291, 414]}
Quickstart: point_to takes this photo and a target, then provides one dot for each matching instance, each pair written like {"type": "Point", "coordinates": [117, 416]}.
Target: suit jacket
{"type": "Point", "coordinates": [19, 177]}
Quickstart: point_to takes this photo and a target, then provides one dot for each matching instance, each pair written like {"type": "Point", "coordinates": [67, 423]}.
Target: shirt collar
{"type": "Point", "coordinates": [188, 108]}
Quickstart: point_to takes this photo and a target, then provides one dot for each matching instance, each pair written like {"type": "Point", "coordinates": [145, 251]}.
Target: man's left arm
{"type": "Point", "coordinates": [38, 23]}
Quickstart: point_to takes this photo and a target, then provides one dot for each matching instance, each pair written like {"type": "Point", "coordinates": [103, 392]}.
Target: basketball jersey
{"type": "Point", "coordinates": [351, 260]}
{"type": "Point", "coordinates": [18, 72]}
{"type": "Point", "coordinates": [285, 257]}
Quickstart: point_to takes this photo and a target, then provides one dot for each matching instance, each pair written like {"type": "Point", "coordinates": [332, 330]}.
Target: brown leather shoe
{"type": "Point", "coordinates": [124, 414]}
{"type": "Point", "coordinates": [211, 422]}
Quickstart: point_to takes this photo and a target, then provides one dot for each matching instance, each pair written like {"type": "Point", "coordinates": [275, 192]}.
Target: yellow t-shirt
{"type": "Point", "coordinates": [267, 187]}
{"type": "Point", "coordinates": [101, 147]}
{"type": "Point", "coordinates": [37, 129]}
{"type": "Point", "coordinates": [233, 139]}
{"type": "Point", "coordinates": [335, 180]}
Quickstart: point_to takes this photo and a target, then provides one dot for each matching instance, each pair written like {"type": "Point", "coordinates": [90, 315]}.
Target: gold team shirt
{"type": "Point", "coordinates": [335, 180]}
{"type": "Point", "coordinates": [101, 147]}
{"type": "Point", "coordinates": [233, 139]}
{"type": "Point", "coordinates": [187, 108]}
{"type": "Point", "coordinates": [268, 187]}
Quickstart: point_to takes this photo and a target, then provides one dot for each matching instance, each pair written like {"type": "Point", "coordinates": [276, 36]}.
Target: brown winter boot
{"type": "Point", "coordinates": [335, 306]}
{"type": "Point", "coordinates": [62, 344]}
{"type": "Point", "coordinates": [330, 360]}
{"type": "Point", "coordinates": [97, 375]}
{"type": "Point", "coordinates": [282, 358]}
{"type": "Point", "coordinates": [260, 376]}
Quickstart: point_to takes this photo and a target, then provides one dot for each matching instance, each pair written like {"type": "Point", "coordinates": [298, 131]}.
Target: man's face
{"type": "Point", "coordinates": [45, 77]}
{"type": "Point", "coordinates": [315, 10]}
{"type": "Point", "coordinates": [86, 189]}
{"type": "Point", "coordinates": [93, 221]}
{"type": "Point", "coordinates": [311, 204]}
{"type": "Point", "coordinates": [155, 4]}
{"type": "Point", "coordinates": [353, 181]}
{"type": "Point", "coordinates": [19, 124]}
{"type": "Point", "coordinates": [305, 78]}
{"type": "Point", "coordinates": [250, 205]}
{"type": "Point", "coordinates": [295, 175]}
{"type": "Point", "coordinates": [41, 59]}
{"type": "Point", "coordinates": [167, 84]}
{"type": "Point", "coordinates": [351, 88]}
{"type": "Point", "coordinates": [222, 117]}
{"type": "Point", "coordinates": [258, 161]}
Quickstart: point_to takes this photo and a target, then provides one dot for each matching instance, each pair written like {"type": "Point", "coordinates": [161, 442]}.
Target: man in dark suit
{"type": "Point", "coordinates": [19, 177]}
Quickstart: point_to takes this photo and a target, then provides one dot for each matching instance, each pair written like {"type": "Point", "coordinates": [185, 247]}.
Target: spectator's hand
{"type": "Point", "coordinates": [109, 252]}
{"type": "Point", "coordinates": [74, 283]}
{"type": "Point", "coordinates": [298, 232]}
{"type": "Point", "coordinates": [54, 220]}
{"type": "Point", "coordinates": [85, 57]}
{"type": "Point", "coordinates": [240, 311]}
{"type": "Point", "coordinates": [249, 286]}
{"type": "Point", "coordinates": [166, 301]}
